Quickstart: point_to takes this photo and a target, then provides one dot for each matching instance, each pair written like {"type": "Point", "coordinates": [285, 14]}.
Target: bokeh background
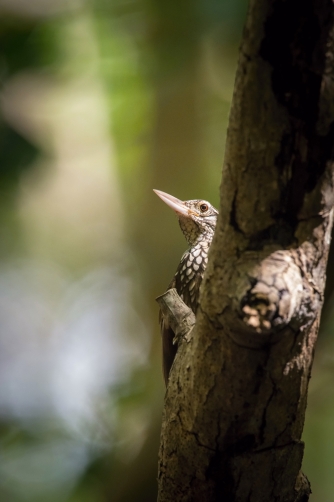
{"type": "Point", "coordinates": [101, 101]}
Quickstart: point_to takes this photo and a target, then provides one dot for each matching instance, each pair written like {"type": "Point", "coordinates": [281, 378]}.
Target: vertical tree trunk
{"type": "Point", "coordinates": [236, 399]}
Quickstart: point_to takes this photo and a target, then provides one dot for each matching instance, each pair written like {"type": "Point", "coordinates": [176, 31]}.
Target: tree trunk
{"type": "Point", "coordinates": [236, 399]}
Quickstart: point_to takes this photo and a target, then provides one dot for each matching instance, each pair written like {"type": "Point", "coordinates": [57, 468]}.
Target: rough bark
{"type": "Point", "coordinates": [236, 398]}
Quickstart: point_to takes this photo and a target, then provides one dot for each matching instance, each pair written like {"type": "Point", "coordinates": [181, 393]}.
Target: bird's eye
{"type": "Point", "coordinates": [204, 207]}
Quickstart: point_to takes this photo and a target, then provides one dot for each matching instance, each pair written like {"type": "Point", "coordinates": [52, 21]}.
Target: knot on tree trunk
{"type": "Point", "coordinates": [280, 294]}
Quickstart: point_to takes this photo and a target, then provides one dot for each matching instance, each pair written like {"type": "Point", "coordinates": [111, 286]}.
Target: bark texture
{"type": "Point", "coordinates": [236, 399]}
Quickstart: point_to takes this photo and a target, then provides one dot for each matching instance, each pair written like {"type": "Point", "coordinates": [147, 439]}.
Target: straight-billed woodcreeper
{"type": "Point", "coordinates": [197, 219]}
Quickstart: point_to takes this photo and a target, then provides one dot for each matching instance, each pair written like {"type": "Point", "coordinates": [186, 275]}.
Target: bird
{"type": "Point", "coordinates": [197, 220]}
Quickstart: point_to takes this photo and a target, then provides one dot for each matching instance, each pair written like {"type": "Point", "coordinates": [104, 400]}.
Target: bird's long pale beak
{"type": "Point", "coordinates": [176, 204]}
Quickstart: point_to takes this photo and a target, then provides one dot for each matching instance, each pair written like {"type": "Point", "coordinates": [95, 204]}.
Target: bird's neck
{"type": "Point", "coordinates": [195, 233]}
{"type": "Point", "coordinates": [203, 240]}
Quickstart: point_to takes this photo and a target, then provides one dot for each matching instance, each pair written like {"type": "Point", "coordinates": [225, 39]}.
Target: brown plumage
{"type": "Point", "coordinates": [197, 219]}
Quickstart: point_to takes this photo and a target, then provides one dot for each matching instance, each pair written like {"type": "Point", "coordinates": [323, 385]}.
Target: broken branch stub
{"type": "Point", "coordinates": [180, 317]}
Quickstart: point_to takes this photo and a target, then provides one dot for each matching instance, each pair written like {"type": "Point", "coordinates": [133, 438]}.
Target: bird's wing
{"type": "Point", "coordinates": [187, 280]}
{"type": "Point", "coordinates": [187, 286]}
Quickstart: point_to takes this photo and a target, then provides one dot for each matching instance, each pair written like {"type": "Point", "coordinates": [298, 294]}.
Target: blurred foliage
{"type": "Point", "coordinates": [17, 53]}
{"type": "Point", "coordinates": [101, 102]}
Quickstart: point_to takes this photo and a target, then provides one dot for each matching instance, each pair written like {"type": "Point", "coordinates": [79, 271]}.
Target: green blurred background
{"type": "Point", "coordinates": [101, 101]}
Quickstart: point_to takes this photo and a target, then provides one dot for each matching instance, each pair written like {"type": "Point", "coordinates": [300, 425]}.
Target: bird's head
{"type": "Point", "coordinates": [197, 217]}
